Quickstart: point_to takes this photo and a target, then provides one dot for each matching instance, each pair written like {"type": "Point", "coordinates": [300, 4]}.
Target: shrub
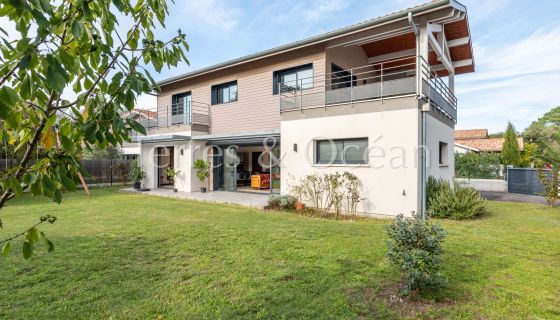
{"type": "Point", "coordinates": [330, 192]}
{"type": "Point", "coordinates": [415, 246]}
{"type": "Point", "coordinates": [454, 203]}
{"type": "Point", "coordinates": [477, 165]}
{"type": "Point", "coordinates": [281, 202]}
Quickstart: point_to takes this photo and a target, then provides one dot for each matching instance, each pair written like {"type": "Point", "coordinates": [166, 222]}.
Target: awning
{"type": "Point", "coordinates": [269, 138]}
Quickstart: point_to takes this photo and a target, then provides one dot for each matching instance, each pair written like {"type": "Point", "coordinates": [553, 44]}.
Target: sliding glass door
{"type": "Point", "coordinates": [229, 165]}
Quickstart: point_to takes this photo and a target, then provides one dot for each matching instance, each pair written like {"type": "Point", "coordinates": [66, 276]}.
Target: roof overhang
{"type": "Point", "coordinates": [163, 138]}
{"type": "Point", "coordinates": [268, 138]}
{"type": "Point", "coordinates": [393, 17]}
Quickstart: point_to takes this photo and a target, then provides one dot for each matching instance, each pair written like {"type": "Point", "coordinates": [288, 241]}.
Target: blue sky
{"type": "Point", "coordinates": [516, 46]}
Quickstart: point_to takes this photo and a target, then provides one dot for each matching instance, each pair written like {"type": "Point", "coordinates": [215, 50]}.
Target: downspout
{"type": "Point", "coordinates": [423, 123]}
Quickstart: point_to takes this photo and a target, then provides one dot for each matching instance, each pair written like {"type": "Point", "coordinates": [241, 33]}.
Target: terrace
{"type": "Point", "coordinates": [386, 80]}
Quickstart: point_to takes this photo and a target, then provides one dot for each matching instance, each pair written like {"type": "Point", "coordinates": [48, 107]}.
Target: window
{"type": "Point", "coordinates": [443, 154]}
{"type": "Point", "coordinates": [340, 78]}
{"type": "Point", "coordinates": [300, 77]}
{"type": "Point", "coordinates": [180, 103]}
{"type": "Point", "coordinates": [224, 93]}
{"type": "Point", "coordinates": [342, 151]}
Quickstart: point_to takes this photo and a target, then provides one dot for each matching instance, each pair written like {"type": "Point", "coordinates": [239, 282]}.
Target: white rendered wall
{"type": "Point", "coordinates": [437, 131]}
{"type": "Point", "coordinates": [389, 182]}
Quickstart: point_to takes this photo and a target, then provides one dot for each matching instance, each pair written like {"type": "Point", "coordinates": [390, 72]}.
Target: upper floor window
{"type": "Point", "coordinates": [296, 78]}
{"type": "Point", "coordinates": [341, 78]}
{"type": "Point", "coordinates": [224, 93]}
{"type": "Point", "coordinates": [342, 151]}
{"type": "Point", "coordinates": [180, 103]}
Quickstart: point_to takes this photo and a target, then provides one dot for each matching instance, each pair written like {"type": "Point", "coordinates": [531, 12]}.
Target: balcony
{"type": "Point", "coordinates": [189, 113]}
{"type": "Point", "coordinates": [386, 80]}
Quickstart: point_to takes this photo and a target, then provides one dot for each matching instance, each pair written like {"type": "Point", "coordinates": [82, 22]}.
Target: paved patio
{"type": "Point", "coordinates": [241, 198]}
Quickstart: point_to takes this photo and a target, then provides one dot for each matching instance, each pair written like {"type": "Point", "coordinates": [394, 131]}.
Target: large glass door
{"type": "Point", "coordinates": [230, 169]}
{"type": "Point", "coordinates": [275, 169]}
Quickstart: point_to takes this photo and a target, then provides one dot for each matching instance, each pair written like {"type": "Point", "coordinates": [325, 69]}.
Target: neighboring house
{"type": "Point", "coordinates": [329, 103]}
{"type": "Point", "coordinates": [477, 140]}
{"type": "Point", "coordinates": [131, 150]}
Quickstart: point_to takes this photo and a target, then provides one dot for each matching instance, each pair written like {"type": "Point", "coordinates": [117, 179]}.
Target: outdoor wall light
{"type": "Point", "coordinates": [181, 151]}
{"type": "Point", "coordinates": [295, 147]}
{"type": "Point", "coordinates": [404, 192]}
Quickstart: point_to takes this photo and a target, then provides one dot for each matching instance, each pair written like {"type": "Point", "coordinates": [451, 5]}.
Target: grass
{"type": "Point", "coordinates": [125, 256]}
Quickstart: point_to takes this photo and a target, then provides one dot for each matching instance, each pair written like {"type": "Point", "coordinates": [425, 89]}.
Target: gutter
{"type": "Point", "coordinates": [316, 39]}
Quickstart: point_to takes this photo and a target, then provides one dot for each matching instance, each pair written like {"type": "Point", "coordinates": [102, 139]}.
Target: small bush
{"type": "Point", "coordinates": [281, 202]}
{"type": "Point", "coordinates": [415, 246]}
{"type": "Point", "coordinates": [453, 203]}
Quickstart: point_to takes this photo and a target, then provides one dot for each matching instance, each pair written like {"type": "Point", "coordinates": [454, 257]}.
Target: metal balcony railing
{"type": "Point", "coordinates": [187, 113]}
{"type": "Point", "coordinates": [377, 81]}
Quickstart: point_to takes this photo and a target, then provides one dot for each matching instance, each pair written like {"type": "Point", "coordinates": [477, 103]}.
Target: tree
{"type": "Point", "coordinates": [73, 46]}
{"type": "Point", "coordinates": [551, 181]}
{"type": "Point", "coordinates": [510, 149]}
{"type": "Point", "coordinates": [97, 153]}
{"type": "Point", "coordinates": [528, 154]}
{"type": "Point", "coordinates": [544, 131]}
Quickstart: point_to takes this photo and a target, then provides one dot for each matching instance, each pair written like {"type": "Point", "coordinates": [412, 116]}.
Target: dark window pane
{"type": "Point", "coordinates": [342, 151]}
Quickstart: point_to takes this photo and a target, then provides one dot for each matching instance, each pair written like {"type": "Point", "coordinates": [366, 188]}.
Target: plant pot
{"type": "Point", "coordinates": [203, 189]}
{"type": "Point", "coordinates": [300, 206]}
{"type": "Point", "coordinates": [137, 185]}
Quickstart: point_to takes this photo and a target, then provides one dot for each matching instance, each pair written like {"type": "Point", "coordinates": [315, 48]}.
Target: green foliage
{"type": "Point", "coordinates": [528, 154]}
{"type": "Point", "coordinates": [171, 173]}
{"type": "Point", "coordinates": [202, 169]}
{"type": "Point", "coordinates": [510, 149]}
{"type": "Point", "coordinates": [551, 180]}
{"type": "Point", "coordinates": [98, 153]}
{"type": "Point", "coordinates": [415, 246]}
{"type": "Point", "coordinates": [74, 46]}
{"type": "Point", "coordinates": [281, 202]}
{"type": "Point", "coordinates": [329, 192]}
{"type": "Point", "coordinates": [456, 203]}
{"type": "Point", "coordinates": [545, 131]}
{"type": "Point", "coordinates": [136, 173]}
{"type": "Point", "coordinates": [477, 165]}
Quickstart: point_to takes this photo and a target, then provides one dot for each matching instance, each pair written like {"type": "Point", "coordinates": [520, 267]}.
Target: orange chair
{"type": "Point", "coordinates": [260, 181]}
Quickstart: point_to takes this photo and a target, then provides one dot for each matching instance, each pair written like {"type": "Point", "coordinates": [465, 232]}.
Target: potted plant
{"type": "Point", "coordinates": [171, 175]}
{"type": "Point", "coordinates": [202, 172]}
{"type": "Point", "coordinates": [136, 174]}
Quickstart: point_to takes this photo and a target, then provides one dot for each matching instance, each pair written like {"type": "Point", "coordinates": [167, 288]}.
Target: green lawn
{"type": "Point", "coordinates": [125, 256]}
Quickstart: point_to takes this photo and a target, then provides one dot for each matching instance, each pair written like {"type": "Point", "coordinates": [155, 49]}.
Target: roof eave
{"type": "Point", "coordinates": [316, 39]}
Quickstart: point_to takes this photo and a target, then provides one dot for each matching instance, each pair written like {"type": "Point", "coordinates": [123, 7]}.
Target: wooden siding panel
{"type": "Point", "coordinates": [256, 109]}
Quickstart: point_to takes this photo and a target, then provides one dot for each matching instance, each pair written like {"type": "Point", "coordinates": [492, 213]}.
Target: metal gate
{"type": "Point", "coordinates": [525, 181]}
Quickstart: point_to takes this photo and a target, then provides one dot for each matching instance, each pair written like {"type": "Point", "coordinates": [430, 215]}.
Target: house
{"type": "Point", "coordinates": [364, 99]}
{"type": "Point", "coordinates": [477, 140]}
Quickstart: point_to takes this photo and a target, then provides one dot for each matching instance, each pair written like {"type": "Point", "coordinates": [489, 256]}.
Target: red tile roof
{"type": "Point", "coordinates": [471, 134]}
{"type": "Point", "coordinates": [488, 144]}
{"type": "Point", "coordinates": [152, 115]}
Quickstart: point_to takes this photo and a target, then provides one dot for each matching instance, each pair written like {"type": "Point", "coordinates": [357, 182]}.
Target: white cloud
{"type": "Point", "coordinates": [210, 15]}
{"type": "Point", "coordinates": [517, 81]}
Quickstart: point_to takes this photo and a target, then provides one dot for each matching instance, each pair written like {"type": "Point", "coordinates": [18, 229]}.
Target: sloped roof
{"type": "Point", "coordinates": [418, 9]}
{"type": "Point", "coordinates": [488, 144]}
{"type": "Point", "coordinates": [152, 115]}
{"type": "Point", "coordinates": [471, 134]}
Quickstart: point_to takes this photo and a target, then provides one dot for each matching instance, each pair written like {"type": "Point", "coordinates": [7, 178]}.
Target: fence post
{"type": "Point", "coordinates": [111, 171]}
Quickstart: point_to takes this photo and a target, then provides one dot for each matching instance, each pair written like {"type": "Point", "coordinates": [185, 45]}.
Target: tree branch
{"type": "Point", "coordinates": [21, 233]}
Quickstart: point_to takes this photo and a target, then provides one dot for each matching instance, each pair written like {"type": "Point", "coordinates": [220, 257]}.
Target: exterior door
{"type": "Point", "coordinates": [230, 169]}
{"type": "Point", "coordinates": [275, 169]}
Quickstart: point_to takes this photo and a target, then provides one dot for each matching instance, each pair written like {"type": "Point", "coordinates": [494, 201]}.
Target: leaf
{"type": "Point", "coordinates": [27, 250]}
{"type": "Point", "coordinates": [67, 144]}
{"type": "Point", "coordinates": [67, 183]}
{"type": "Point", "coordinates": [6, 248]}
{"type": "Point", "coordinates": [56, 75]}
{"type": "Point", "coordinates": [27, 89]}
{"type": "Point", "coordinates": [32, 235]}
{"type": "Point", "coordinates": [8, 98]}
{"type": "Point", "coordinates": [76, 29]}
{"type": "Point", "coordinates": [136, 126]}
{"type": "Point", "coordinates": [48, 139]}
